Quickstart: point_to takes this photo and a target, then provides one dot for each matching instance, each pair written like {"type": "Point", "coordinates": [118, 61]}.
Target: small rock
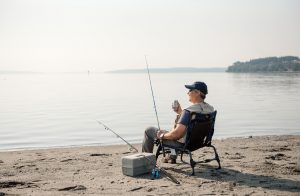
{"type": "Point", "coordinates": [73, 188]}
{"type": "Point", "coordinates": [135, 189]}
{"type": "Point", "coordinates": [66, 160]}
{"type": "Point", "coordinates": [10, 184]}
{"type": "Point", "coordinates": [278, 156]}
{"type": "Point", "coordinates": [297, 169]}
{"type": "Point", "coordinates": [231, 185]}
{"type": "Point", "coordinates": [100, 154]}
{"type": "Point", "coordinates": [150, 189]}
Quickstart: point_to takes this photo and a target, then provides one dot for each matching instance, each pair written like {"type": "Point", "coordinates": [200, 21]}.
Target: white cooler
{"type": "Point", "coordinates": [138, 164]}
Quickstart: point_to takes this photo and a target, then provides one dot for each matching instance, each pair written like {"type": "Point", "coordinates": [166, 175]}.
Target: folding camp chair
{"type": "Point", "coordinates": [199, 134]}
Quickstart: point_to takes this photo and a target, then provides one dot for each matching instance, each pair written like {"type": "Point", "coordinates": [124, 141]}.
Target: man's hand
{"type": "Point", "coordinates": [160, 134]}
{"type": "Point", "coordinates": [176, 107]}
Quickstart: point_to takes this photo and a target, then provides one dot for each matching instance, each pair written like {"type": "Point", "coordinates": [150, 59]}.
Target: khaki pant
{"type": "Point", "coordinates": [150, 136]}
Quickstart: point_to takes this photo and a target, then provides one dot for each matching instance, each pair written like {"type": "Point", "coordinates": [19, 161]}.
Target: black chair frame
{"type": "Point", "coordinates": [199, 134]}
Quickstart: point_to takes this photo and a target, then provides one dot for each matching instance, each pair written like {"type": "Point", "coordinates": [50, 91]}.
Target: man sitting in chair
{"type": "Point", "coordinates": [176, 137]}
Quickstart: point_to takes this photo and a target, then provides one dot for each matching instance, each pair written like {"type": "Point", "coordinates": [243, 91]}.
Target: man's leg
{"type": "Point", "coordinates": [173, 155]}
{"type": "Point", "coordinates": [172, 143]}
{"type": "Point", "coordinates": [149, 137]}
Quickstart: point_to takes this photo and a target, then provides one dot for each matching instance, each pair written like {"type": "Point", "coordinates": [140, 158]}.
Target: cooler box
{"type": "Point", "coordinates": [138, 164]}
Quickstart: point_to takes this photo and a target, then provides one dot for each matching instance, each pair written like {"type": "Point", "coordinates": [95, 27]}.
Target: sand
{"type": "Point", "coordinates": [264, 165]}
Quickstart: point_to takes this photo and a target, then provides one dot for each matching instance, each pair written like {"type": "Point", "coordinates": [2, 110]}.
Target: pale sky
{"type": "Point", "coordinates": [102, 35]}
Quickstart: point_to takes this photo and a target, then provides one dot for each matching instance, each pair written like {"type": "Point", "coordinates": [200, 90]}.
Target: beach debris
{"type": "Point", "coordinates": [73, 188]}
{"type": "Point", "coordinates": [297, 169]}
{"type": "Point", "coordinates": [100, 155]}
{"type": "Point", "coordinates": [231, 185]}
{"type": "Point", "coordinates": [137, 188]}
{"type": "Point", "coordinates": [66, 160]}
{"type": "Point", "coordinates": [11, 184]}
{"type": "Point", "coordinates": [21, 166]}
{"type": "Point", "coordinates": [235, 156]}
{"type": "Point", "coordinates": [269, 162]}
{"type": "Point", "coordinates": [275, 149]}
{"type": "Point", "coordinates": [284, 148]}
{"type": "Point", "coordinates": [278, 156]}
{"type": "Point", "coordinates": [150, 189]}
{"type": "Point", "coordinates": [1, 161]}
{"type": "Point", "coordinates": [76, 172]}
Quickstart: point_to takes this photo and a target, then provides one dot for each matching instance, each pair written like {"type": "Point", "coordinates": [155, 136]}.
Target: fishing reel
{"type": "Point", "coordinates": [157, 142]}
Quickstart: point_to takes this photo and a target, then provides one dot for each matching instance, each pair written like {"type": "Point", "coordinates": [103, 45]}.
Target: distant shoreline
{"type": "Point", "coordinates": [267, 64]}
{"type": "Point", "coordinates": [152, 70]}
{"type": "Point", "coordinates": [171, 70]}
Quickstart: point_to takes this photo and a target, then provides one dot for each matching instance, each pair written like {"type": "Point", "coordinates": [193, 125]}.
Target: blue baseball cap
{"type": "Point", "coordinates": [201, 86]}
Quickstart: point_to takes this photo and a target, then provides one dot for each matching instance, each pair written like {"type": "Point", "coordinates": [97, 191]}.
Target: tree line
{"type": "Point", "coordinates": [268, 64]}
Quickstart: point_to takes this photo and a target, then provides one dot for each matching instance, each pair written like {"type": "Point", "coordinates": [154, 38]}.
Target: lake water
{"type": "Point", "coordinates": [54, 110]}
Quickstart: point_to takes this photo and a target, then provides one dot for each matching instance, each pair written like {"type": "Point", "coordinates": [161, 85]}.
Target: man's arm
{"type": "Point", "coordinates": [176, 133]}
{"type": "Point", "coordinates": [179, 130]}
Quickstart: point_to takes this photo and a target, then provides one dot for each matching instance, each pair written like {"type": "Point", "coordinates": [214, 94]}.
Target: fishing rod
{"type": "Point", "coordinates": [154, 104]}
{"type": "Point", "coordinates": [152, 93]}
{"type": "Point", "coordinates": [107, 128]}
{"type": "Point", "coordinates": [133, 148]}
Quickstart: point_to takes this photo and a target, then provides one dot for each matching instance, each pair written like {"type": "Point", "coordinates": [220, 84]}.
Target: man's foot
{"type": "Point", "coordinates": [169, 159]}
{"type": "Point", "coordinates": [166, 158]}
{"type": "Point", "coordinates": [172, 159]}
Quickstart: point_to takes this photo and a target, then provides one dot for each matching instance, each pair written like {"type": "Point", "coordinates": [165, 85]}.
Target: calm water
{"type": "Point", "coordinates": [49, 110]}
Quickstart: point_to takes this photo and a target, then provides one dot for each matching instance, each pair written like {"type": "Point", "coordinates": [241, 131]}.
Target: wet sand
{"type": "Point", "coordinates": [265, 165]}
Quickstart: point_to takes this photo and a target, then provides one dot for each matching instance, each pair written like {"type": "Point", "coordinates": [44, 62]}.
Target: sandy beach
{"type": "Point", "coordinates": [264, 165]}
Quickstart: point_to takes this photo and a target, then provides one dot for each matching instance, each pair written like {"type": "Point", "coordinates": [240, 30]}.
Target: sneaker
{"type": "Point", "coordinates": [172, 159]}
{"type": "Point", "coordinates": [169, 159]}
{"type": "Point", "coordinates": [165, 159]}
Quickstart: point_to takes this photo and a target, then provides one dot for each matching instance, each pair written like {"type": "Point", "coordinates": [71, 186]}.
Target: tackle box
{"type": "Point", "coordinates": [138, 164]}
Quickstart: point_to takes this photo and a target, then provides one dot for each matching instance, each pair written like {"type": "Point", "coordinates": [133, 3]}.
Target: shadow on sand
{"type": "Point", "coordinates": [230, 175]}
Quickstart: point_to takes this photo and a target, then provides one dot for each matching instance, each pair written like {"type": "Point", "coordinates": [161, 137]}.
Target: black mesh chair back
{"type": "Point", "coordinates": [200, 131]}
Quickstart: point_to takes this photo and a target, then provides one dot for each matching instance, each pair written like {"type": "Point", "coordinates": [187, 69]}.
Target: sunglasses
{"type": "Point", "coordinates": [192, 90]}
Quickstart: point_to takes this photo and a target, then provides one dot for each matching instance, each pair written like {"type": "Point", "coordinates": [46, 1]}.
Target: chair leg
{"type": "Point", "coordinates": [158, 151]}
{"type": "Point", "coordinates": [192, 163]}
{"type": "Point", "coordinates": [181, 157]}
{"type": "Point", "coordinates": [217, 156]}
